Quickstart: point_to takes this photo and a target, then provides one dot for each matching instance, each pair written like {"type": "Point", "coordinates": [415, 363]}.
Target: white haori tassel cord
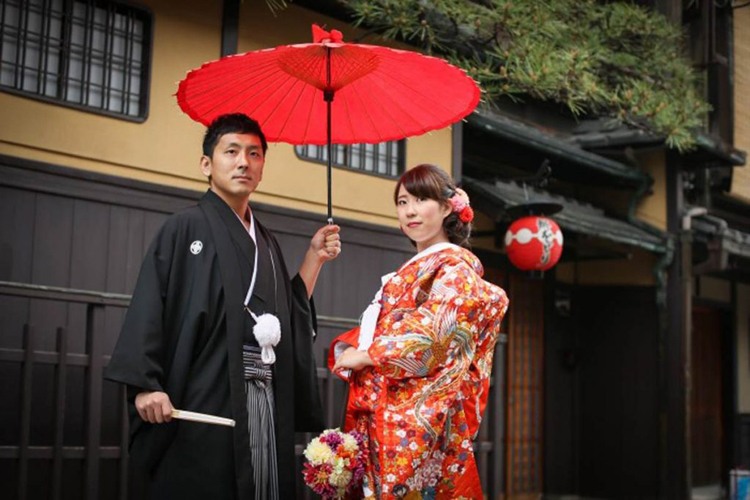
{"type": "Point", "coordinates": [267, 329]}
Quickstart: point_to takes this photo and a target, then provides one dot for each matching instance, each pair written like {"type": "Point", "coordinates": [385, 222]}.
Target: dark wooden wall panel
{"type": "Point", "coordinates": [73, 478]}
{"type": "Point", "coordinates": [16, 234]}
{"type": "Point", "coordinates": [617, 366]}
{"type": "Point", "coordinates": [89, 252]}
{"type": "Point", "coordinates": [14, 311]}
{"type": "Point", "coordinates": [16, 244]}
{"type": "Point", "coordinates": [117, 249]}
{"type": "Point", "coordinates": [743, 445]}
{"type": "Point", "coordinates": [53, 227]}
{"type": "Point", "coordinates": [42, 405]}
{"type": "Point", "coordinates": [152, 222]}
{"type": "Point", "coordinates": [74, 407]}
{"type": "Point", "coordinates": [121, 268]}
{"type": "Point", "coordinates": [51, 258]}
{"type": "Point", "coordinates": [134, 243]}
{"type": "Point", "coordinates": [706, 416]}
{"type": "Point", "coordinates": [10, 414]}
{"type": "Point", "coordinates": [111, 411]}
{"type": "Point", "coordinates": [560, 397]}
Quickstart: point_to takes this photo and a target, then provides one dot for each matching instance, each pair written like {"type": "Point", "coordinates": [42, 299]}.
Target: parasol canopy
{"type": "Point", "coordinates": [331, 92]}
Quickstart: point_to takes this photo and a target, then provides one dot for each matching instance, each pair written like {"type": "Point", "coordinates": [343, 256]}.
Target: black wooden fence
{"type": "Point", "coordinates": [38, 459]}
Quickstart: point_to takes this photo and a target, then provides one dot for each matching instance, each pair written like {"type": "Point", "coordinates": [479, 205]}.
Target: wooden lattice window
{"type": "Point", "coordinates": [385, 159]}
{"type": "Point", "coordinates": [709, 37]}
{"type": "Point", "coordinates": [88, 54]}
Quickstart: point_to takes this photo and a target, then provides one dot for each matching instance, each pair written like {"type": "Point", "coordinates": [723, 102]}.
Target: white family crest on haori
{"type": "Point", "coordinates": [196, 247]}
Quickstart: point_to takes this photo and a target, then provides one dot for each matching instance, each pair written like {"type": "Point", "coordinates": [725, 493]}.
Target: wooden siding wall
{"type": "Point", "coordinates": [62, 227]}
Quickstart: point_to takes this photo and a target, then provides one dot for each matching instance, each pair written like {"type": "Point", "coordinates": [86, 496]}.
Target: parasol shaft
{"type": "Point", "coordinates": [329, 169]}
{"type": "Point", "coordinates": [328, 96]}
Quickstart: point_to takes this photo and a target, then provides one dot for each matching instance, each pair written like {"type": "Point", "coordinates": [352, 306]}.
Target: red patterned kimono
{"type": "Point", "coordinates": [422, 402]}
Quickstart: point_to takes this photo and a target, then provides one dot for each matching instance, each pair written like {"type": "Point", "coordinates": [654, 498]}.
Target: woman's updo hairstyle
{"type": "Point", "coordinates": [429, 181]}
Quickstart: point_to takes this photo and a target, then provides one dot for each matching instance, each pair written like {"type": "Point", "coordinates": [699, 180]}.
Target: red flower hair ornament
{"type": "Point", "coordinates": [460, 203]}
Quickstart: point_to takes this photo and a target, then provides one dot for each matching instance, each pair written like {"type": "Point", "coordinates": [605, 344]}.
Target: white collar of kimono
{"type": "Point", "coordinates": [267, 329]}
{"type": "Point", "coordinates": [370, 316]}
{"type": "Point", "coordinates": [427, 251]}
{"type": "Point", "coordinates": [251, 232]}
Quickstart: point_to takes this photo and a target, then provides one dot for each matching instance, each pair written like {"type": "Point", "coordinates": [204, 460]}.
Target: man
{"type": "Point", "coordinates": [197, 337]}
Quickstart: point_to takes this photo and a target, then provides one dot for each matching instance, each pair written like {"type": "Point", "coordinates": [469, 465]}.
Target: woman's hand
{"type": "Point", "coordinates": [352, 359]}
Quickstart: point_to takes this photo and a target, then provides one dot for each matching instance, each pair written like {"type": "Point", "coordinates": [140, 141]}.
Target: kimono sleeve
{"type": "Point", "coordinates": [308, 408]}
{"type": "Point", "coordinates": [138, 357]}
{"type": "Point", "coordinates": [338, 346]}
{"type": "Point", "coordinates": [476, 386]}
{"type": "Point", "coordinates": [417, 341]}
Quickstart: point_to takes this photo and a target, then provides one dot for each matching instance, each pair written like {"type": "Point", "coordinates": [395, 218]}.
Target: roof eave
{"type": "Point", "coordinates": [513, 130]}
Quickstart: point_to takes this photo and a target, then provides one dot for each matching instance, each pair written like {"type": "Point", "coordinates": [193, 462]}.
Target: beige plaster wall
{"type": "Point", "coordinates": [653, 206]}
{"type": "Point", "coordinates": [165, 148]}
{"type": "Point", "coordinates": [162, 149]}
{"type": "Point", "coordinates": [741, 175]}
{"type": "Point", "coordinates": [714, 289]}
{"type": "Point", "coordinates": [636, 270]}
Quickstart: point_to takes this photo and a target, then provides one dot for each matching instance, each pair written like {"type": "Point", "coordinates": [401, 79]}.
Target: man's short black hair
{"type": "Point", "coordinates": [235, 123]}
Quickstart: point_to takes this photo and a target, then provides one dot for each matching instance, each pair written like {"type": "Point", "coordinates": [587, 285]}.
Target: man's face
{"type": "Point", "coordinates": [235, 166]}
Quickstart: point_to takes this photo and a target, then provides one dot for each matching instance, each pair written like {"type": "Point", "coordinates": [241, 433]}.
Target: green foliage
{"type": "Point", "coordinates": [615, 59]}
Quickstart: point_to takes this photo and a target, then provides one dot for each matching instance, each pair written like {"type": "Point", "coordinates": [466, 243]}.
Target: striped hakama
{"type": "Point", "coordinates": [260, 424]}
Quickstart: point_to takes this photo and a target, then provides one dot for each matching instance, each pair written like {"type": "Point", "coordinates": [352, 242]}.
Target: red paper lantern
{"type": "Point", "coordinates": [534, 243]}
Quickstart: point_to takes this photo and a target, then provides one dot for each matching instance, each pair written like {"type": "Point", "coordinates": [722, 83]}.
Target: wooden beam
{"type": "Point", "coordinates": [230, 23]}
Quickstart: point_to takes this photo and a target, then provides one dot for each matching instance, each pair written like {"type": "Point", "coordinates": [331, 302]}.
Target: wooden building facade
{"type": "Point", "coordinates": [623, 373]}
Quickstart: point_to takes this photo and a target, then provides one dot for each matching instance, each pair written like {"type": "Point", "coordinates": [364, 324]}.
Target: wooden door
{"type": "Point", "coordinates": [525, 388]}
{"type": "Point", "coordinates": [706, 416]}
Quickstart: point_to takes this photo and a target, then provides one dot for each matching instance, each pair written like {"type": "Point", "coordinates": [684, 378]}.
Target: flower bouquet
{"type": "Point", "coordinates": [335, 463]}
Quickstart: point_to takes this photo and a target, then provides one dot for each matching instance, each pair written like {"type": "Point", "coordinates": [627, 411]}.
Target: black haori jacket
{"type": "Point", "coordinates": [183, 334]}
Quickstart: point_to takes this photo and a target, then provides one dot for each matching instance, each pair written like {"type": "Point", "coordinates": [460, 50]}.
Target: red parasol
{"type": "Point", "coordinates": [296, 92]}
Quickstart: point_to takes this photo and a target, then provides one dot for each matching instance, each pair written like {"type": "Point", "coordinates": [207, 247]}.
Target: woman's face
{"type": "Point", "coordinates": [421, 219]}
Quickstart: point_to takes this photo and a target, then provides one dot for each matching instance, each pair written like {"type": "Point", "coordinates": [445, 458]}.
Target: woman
{"type": "Point", "coordinates": [419, 364]}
